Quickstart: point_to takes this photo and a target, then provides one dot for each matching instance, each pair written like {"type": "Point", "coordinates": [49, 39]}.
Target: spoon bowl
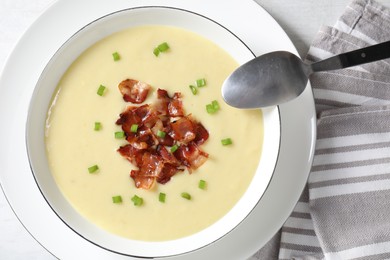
{"type": "Point", "coordinates": [270, 79]}
{"type": "Point", "coordinates": [278, 77]}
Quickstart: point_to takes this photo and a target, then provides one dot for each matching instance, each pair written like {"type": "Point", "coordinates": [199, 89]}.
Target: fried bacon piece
{"type": "Point", "coordinates": [167, 156]}
{"type": "Point", "coordinates": [166, 173]}
{"type": "Point", "coordinates": [183, 130]}
{"type": "Point", "coordinates": [201, 134]}
{"type": "Point", "coordinates": [152, 166]}
{"type": "Point", "coordinates": [166, 105]}
{"type": "Point", "coordinates": [137, 115]}
{"type": "Point", "coordinates": [140, 181]}
{"type": "Point", "coordinates": [191, 156]}
{"type": "Point", "coordinates": [186, 130]}
{"type": "Point", "coordinates": [143, 138]}
{"type": "Point", "coordinates": [175, 107]}
{"type": "Point", "coordinates": [131, 153]}
{"type": "Point", "coordinates": [134, 91]}
{"type": "Point", "coordinates": [161, 125]}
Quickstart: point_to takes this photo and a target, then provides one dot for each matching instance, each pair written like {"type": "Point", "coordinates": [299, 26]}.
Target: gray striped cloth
{"type": "Point", "coordinates": [344, 212]}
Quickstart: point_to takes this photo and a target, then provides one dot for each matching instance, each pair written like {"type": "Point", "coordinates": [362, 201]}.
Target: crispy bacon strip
{"type": "Point", "coordinates": [143, 139]}
{"type": "Point", "coordinates": [154, 167]}
{"type": "Point", "coordinates": [167, 140]}
{"type": "Point", "coordinates": [151, 165]}
{"type": "Point", "coordinates": [166, 173]}
{"type": "Point", "coordinates": [147, 148]}
{"type": "Point", "coordinates": [131, 153]}
{"type": "Point", "coordinates": [175, 106]}
{"type": "Point", "coordinates": [191, 156]}
{"type": "Point", "coordinates": [186, 129]}
{"type": "Point", "coordinates": [162, 102]}
{"type": "Point", "coordinates": [201, 134]}
{"type": "Point", "coordinates": [134, 91]}
{"type": "Point", "coordinates": [142, 182]}
{"type": "Point", "coordinates": [183, 130]}
{"type": "Point", "coordinates": [166, 105]}
{"type": "Point", "coordinates": [137, 115]}
{"type": "Point", "coordinates": [167, 156]}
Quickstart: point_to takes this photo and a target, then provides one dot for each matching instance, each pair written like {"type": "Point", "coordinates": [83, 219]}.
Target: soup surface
{"type": "Point", "coordinates": [73, 145]}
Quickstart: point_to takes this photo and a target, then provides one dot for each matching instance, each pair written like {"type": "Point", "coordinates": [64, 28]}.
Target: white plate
{"type": "Point", "coordinates": [242, 17]}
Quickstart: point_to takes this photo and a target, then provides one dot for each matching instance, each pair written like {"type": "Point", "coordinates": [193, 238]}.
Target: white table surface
{"type": "Point", "coordinates": [300, 19]}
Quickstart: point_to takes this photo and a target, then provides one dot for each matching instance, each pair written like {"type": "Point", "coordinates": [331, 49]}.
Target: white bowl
{"type": "Point", "coordinates": [42, 96]}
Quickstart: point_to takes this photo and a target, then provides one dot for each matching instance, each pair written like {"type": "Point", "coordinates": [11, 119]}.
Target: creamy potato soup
{"type": "Point", "coordinates": [74, 145]}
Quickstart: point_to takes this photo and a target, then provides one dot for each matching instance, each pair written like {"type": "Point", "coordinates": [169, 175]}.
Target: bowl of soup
{"type": "Point", "coordinates": [152, 173]}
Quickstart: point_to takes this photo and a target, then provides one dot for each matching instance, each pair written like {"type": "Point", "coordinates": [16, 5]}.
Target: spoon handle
{"type": "Point", "coordinates": [353, 58]}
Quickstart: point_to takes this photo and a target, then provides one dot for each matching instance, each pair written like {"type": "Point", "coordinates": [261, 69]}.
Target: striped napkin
{"type": "Point", "coordinates": [344, 212]}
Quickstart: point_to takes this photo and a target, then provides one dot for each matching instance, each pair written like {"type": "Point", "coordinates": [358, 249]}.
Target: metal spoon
{"type": "Point", "coordinates": [278, 77]}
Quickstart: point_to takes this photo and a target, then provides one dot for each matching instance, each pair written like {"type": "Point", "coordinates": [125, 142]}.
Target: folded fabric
{"type": "Point", "coordinates": [344, 212]}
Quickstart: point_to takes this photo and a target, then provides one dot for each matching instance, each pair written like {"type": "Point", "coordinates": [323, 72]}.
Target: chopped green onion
{"type": "Point", "coordinates": [226, 141]}
{"type": "Point", "coordinates": [98, 126]}
{"type": "Point", "coordinates": [202, 184]}
{"type": "Point", "coordinates": [161, 197]}
{"type": "Point", "coordinates": [138, 201]}
{"type": "Point", "coordinates": [101, 90]}
{"type": "Point", "coordinates": [116, 56]}
{"type": "Point", "coordinates": [120, 135]}
{"type": "Point", "coordinates": [163, 47]}
{"type": "Point", "coordinates": [174, 148]}
{"type": "Point", "coordinates": [200, 83]}
{"type": "Point", "coordinates": [215, 105]}
{"type": "Point", "coordinates": [193, 89]}
{"type": "Point", "coordinates": [117, 199]}
{"type": "Point", "coordinates": [134, 128]}
{"type": "Point", "coordinates": [93, 169]}
{"type": "Point", "coordinates": [186, 195]}
{"type": "Point", "coordinates": [156, 52]}
{"type": "Point", "coordinates": [161, 134]}
{"type": "Point", "coordinates": [210, 109]}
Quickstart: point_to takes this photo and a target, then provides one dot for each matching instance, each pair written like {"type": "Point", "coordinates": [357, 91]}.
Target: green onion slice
{"type": "Point", "coordinates": [138, 201]}
{"type": "Point", "coordinates": [210, 109]}
{"type": "Point", "coordinates": [116, 56]}
{"type": "Point", "coordinates": [200, 83]}
{"type": "Point", "coordinates": [161, 197]}
{"type": "Point", "coordinates": [156, 52]}
{"type": "Point", "coordinates": [186, 195]}
{"type": "Point", "coordinates": [120, 135]}
{"type": "Point", "coordinates": [215, 105]}
{"type": "Point", "coordinates": [202, 184]}
{"type": "Point", "coordinates": [226, 141]}
{"type": "Point", "coordinates": [174, 148]}
{"type": "Point", "coordinates": [134, 128]}
{"type": "Point", "coordinates": [98, 126]}
{"type": "Point", "coordinates": [117, 199]}
{"type": "Point", "coordinates": [101, 90]}
{"type": "Point", "coordinates": [163, 47]}
{"type": "Point", "coordinates": [161, 134]}
{"type": "Point", "coordinates": [193, 90]}
{"type": "Point", "coordinates": [93, 169]}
